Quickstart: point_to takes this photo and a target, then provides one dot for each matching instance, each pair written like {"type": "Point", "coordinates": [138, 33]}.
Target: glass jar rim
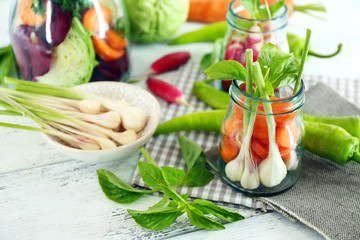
{"type": "Point", "coordinates": [231, 13]}
{"type": "Point", "coordinates": [297, 99]}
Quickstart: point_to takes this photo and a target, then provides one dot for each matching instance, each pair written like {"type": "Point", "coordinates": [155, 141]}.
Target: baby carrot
{"type": "Point", "coordinates": [259, 148]}
{"type": "Point", "coordinates": [229, 149]}
{"type": "Point", "coordinates": [115, 40]}
{"type": "Point", "coordinates": [208, 11]}
{"type": "Point", "coordinates": [105, 51]}
{"type": "Point", "coordinates": [27, 14]}
{"type": "Point", "coordinates": [232, 126]}
{"type": "Point", "coordinates": [287, 135]}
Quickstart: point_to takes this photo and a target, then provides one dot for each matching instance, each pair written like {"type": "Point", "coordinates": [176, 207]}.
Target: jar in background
{"type": "Point", "coordinates": [243, 33]}
{"type": "Point", "coordinates": [244, 161]}
{"type": "Point", "coordinates": [70, 42]}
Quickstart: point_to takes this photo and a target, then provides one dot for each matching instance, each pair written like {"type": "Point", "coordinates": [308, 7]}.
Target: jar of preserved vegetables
{"type": "Point", "coordinates": [67, 43]}
{"type": "Point", "coordinates": [262, 141]}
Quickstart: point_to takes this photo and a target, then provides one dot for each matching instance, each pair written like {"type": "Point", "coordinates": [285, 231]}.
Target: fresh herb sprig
{"type": "Point", "coordinates": [164, 179]}
{"type": "Point", "coordinates": [75, 7]}
{"type": "Point", "coordinates": [261, 11]}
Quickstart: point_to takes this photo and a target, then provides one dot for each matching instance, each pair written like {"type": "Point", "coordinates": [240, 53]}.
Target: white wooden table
{"type": "Point", "coordinates": [46, 195]}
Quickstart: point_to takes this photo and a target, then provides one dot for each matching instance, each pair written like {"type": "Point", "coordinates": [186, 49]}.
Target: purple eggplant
{"type": "Point", "coordinates": [32, 53]}
{"type": "Point", "coordinates": [54, 31]}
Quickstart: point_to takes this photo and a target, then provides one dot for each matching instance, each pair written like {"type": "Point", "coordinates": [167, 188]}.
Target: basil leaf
{"type": "Point", "coordinates": [156, 219]}
{"type": "Point", "coordinates": [173, 176]}
{"type": "Point", "coordinates": [198, 219]}
{"type": "Point", "coordinates": [206, 61]}
{"type": "Point", "coordinates": [117, 190]}
{"type": "Point", "coordinates": [226, 70]}
{"type": "Point", "coordinates": [171, 193]}
{"type": "Point", "coordinates": [161, 203]}
{"type": "Point", "coordinates": [175, 204]}
{"type": "Point", "coordinates": [190, 151]}
{"type": "Point", "coordinates": [198, 177]}
{"type": "Point", "coordinates": [250, 6]}
{"type": "Point", "coordinates": [151, 174]}
{"type": "Point", "coordinates": [222, 213]}
{"type": "Point", "coordinates": [283, 66]}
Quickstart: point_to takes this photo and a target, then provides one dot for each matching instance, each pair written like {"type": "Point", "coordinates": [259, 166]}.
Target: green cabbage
{"type": "Point", "coordinates": [73, 60]}
{"type": "Point", "coordinates": [155, 20]}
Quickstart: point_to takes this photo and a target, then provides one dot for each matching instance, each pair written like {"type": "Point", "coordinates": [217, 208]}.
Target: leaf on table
{"type": "Point", "coordinates": [198, 219]}
{"type": "Point", "coordinates": [151, 175]}
{"type": "Point", "coordinates": [156, 219]}
{"type": "Point", "coordinates": [173, 176]}
{"type": "Point", "coordinates": [222, 213]}
{"type": "Point", "coordinates": [198, 177]}
{"type": "Point", "coordinates": [190, 150]}
{"type": "Point", "coordinates": [117, 190]}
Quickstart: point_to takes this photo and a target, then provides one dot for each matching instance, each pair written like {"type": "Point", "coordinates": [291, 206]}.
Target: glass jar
{"type": "Point", "coordinates": [243, 33]}
{"type": "Point", "coordinates": [70, 42]}
{"type": "Point", "coordinates": [262, 160]}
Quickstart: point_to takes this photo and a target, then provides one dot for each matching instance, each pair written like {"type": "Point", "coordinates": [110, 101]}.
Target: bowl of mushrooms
{"type": "Point", "coordinates": [113, 122]}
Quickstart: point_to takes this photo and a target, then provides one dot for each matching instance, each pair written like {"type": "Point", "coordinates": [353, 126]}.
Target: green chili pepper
{"type": "Point", "coordinates": [215, 98]}
{"type": "Point", "coordinates": [209, 33]}
{"type": "Point", "coordinates": [350, 123]}
{"type": "Point", "coordinates": [206, 120]}
{"type": "Point", "coordinates": [296, 45]}
{"type": "Point", "coordinates": [332, 142]}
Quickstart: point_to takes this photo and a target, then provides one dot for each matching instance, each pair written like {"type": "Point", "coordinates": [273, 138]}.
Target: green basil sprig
{"type": "Point", "coordinates": [173, 205]}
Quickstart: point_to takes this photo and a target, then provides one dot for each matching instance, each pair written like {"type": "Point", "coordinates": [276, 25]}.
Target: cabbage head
{"type": "Point", "coordinates": [155, 20]}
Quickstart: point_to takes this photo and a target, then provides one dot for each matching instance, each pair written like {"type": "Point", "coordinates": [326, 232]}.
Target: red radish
{"type": "Point", "coordinates": [166, 91]}
{"type": "Point", "coordinates": [169, 62]}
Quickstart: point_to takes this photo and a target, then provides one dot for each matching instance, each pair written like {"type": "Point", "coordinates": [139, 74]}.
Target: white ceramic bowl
{"type": "Point", "coordinates": [133, 95]}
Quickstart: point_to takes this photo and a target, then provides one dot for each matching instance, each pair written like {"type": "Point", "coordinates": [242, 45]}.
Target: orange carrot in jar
{"type": "Point", "coordinates": [115, 40]}
{"type": "Point", "coordinates": [229, 149]}
{"type": "Point", "coordinates": [105, 51]}
{"type": "Point", "coordinates": [28, 15]}
{"type": "Point", "coordinates": [287, 135]}
{"type": "Point", "coordinates": [232, 126]}
{"type": "Point", "coordinates": [259, 148]}
{"type": "Point", "coordinates": [91, 20]}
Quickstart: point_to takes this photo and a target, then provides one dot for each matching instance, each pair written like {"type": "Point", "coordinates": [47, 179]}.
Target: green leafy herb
{"type": "Point", "coordinates": [38, 6]}
{"type": "Point", "coordinates": [75, 7]}
{"type": "Point", "coordinates": [283, 66]}
{"type": "Point", "coordinates": [156, 219]}
{"type": "Point", "coordinates": [151, 175]}
{"type": "Point", "coordinates": [226, 70]}
{"type": "Point", "coordinates": [197, 175]}
{"type": "Point", "coordinates": [166, 211]}
{"type": "Point", "coordinates": [117, 190]}
{"type": "Point", "coordinates": [173, 176]}
{"type": "Point", "coordinates": [260, 11]}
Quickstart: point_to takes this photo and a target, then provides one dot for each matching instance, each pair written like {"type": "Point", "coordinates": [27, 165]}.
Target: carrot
{"type": "Point", "coordinates": [287, 135]}
{"type": "Point", "coordinates": [238, 111]}
{"type": "Point", "coordinates": [91, 19]}
{"type": "Point", "coordinates": [115, 40]}
{"type": "Point", "coordinates": [105, 51]}
{"type": "Point", "coordinates": [259, 148]}
{"type": "Point", "coordinates": [208, 11]}
{"type": "Point", "coordinates": [286, 157]}
{"type": "Point", "coordinates": [229, 149]}
{"type": "Point", "coordinates": [256, 159]}
{"type": "Point", "coordinates": [27, 14]}
{"type": "Point", "coordinates": [232, 126]}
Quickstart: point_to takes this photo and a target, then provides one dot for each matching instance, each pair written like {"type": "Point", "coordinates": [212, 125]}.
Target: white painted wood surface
{"type": "Point", "coordinates": [46, 195]}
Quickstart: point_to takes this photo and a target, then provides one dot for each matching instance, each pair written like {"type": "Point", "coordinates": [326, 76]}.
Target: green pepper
{"type": "Point", "coordinates": [215, 98]}
{"type": "Point", "coordinates": [206, 120]}
{"type": "Point", "coordinates": [296, 45]}
{"type": "Point", "coordinates": [332, 142]}
{"type": "Point", "coordinates": [209, 33]}
{"type": "Point", "coordinates": [350, 123]}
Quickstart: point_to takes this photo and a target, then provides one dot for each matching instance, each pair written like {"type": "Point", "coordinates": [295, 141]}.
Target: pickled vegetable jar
{"type": "Point", "coordinates": [260, 153]}
{"type": "Point", "coordinates": [243, 32]}
{"type": "Point", "coordinates": [67, 43]}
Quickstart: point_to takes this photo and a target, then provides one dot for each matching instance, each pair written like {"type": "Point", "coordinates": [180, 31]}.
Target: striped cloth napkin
{"type": "Point", "coordinates": [166, 150]}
